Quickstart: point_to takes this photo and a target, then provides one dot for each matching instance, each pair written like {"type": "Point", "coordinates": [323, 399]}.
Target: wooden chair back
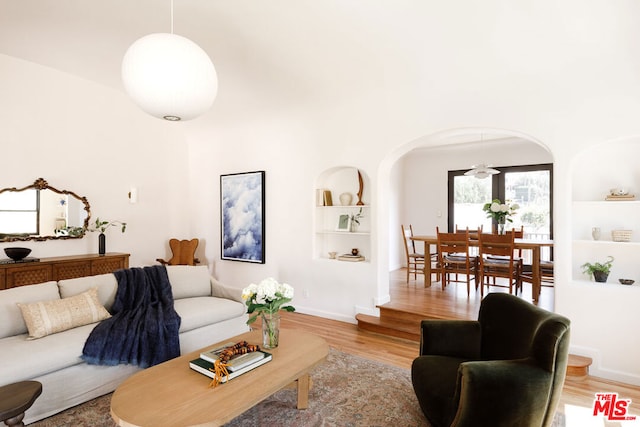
{"type": "Point", "coordinates": [496, 254]}
{"type": "Point", "coordinates": [453, 243]}
{"type": "Point", "coordinates": [518, 234]}
{"type": "Point", "coordinates": [409, 245]}
{"type": "Point", "coordinates": [473, 233]}
{"type": "Point", "coordinates": [415, 261]}
{"type": "Point", "coordinates": [454, 258]}
{"type": "Point", "coordinates": [183, 252]}
{"type": "Point", "coordinates": [497, 244]}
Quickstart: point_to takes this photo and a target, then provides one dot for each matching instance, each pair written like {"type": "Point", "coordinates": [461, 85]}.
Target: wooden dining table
{"type": "Point", "coordinates": [534, 245]}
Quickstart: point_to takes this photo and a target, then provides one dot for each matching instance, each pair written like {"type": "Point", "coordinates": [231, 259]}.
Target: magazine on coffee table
{"type": "Point", "coordinates": [258, 358]}
{"type": "Point", "coordinates": [236, 362]}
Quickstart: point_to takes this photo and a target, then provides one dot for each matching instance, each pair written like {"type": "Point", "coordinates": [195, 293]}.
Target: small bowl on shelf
{"type": "Point", "coordinates": [626, 281]}
{"type": "Point", "coordinates": [17, 254]}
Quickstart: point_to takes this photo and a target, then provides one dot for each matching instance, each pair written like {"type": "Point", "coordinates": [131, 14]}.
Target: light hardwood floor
{"type": "Point", "coordinates": [453, 303]}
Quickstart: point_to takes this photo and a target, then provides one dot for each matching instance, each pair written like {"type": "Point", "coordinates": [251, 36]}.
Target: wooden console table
{"type": "Point", "coordinates": [59, 268]}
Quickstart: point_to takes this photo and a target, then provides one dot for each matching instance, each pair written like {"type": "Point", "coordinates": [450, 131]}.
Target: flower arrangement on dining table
{"type": "Point", "coordinates": [266, 299]}
{"type": "Point", "coordinates": [499, 211]}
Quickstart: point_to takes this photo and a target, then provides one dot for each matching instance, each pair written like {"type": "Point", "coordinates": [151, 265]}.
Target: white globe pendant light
{"type": "Point", "coordinates": [169, 77]}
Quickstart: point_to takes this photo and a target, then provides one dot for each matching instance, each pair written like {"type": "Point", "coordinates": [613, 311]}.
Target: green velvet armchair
{"type": "Point", "coordinates": [505, 369]}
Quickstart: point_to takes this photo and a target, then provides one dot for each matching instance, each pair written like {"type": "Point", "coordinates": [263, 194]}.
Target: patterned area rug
{"type": "Point", "coordinates": [347, 390]}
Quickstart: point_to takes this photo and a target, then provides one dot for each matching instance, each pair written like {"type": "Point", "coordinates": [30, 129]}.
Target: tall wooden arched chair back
{"type": "Point", "coordinates": [183, 251]}
{"type": "Point", "coordinates": [415, 260]}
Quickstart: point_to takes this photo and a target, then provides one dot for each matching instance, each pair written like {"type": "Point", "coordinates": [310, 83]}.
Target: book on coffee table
{"type": "Point", "coordinates": [236, 362]}
{"type": "Point", "coordinates": [205, 367]}
{"type": "Point", "coordinates": [212, 354]}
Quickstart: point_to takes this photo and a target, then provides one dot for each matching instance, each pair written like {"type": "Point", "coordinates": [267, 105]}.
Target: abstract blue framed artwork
{"type": "Point", "coordinates": [242, 216]}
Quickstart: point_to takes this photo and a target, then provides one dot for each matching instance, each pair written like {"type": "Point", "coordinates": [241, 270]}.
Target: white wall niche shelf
{"type": "Point", "coordinates": [609, 283]}
{"type": "Point", "coordinates": [327, 237]}
{"type": "Point", "coordinates": [600, 171]}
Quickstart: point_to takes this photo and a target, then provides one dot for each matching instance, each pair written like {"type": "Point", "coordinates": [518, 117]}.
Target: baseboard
{"type": "Point", "coordinates": [596, 369]}
{"type": "Point", "coordinates": [368, 310]}
{"type": "Point", "coordinates": [613, 375]}
{"type": "Point", "coordinates": [382, 300]}
{"type": "Point", "coordinates": [326, 314]}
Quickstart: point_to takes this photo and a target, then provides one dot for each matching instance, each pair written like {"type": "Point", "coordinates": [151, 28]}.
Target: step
{"type": "Point", "coordinates": [396, 328]}
{"type": "Point", "coordinates": [394, 322]}
{"type": "Point", "coordinates": [578, 366]}
{"type": "Point", "coordinates": [390, 312]}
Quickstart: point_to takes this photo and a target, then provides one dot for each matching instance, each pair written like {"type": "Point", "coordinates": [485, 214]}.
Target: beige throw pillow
{"type": "Point", "coordinates": [48, 317]}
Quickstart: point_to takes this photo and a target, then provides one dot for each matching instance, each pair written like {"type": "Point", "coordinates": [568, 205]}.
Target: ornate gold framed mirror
{"type": "Point", "coordinates": [42, 212]}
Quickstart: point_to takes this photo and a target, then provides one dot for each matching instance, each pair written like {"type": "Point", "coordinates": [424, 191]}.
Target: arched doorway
{"type": "Point", "coordinates": [450, 150]}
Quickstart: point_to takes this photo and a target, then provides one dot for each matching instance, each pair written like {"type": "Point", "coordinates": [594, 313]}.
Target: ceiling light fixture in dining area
{"type": "Point", "coordinates": [481, 171]}
{"type": "Point", "coordinates": [169, 76]}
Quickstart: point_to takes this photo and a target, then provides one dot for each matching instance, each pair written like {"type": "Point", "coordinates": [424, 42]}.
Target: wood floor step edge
{"type": "Point", "coordinates": [398, 329]}
{"type": "Point", "coordinates": [578, 366]}
{"type": "Point", "coordinates": [392, 322]}
{"type": "Point", "coordinates": [396, 313]}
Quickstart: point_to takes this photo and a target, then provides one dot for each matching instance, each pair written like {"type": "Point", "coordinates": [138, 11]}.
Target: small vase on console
{"type": "Point", "coordinates": [102, 244]}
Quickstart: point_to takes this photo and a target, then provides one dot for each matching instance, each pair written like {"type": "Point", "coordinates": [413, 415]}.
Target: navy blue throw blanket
{"type": "Point", "coordinates": [143, 329]}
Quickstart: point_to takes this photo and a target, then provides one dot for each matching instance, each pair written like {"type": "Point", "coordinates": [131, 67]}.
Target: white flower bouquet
{"type": "Point", "coordinates": [499, 211]}
{"type": "Point", "coordinates": [267, 297]}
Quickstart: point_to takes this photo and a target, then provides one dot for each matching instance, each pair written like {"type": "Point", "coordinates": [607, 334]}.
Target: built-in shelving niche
{"type": "Point", "coordinates": [328, 238]}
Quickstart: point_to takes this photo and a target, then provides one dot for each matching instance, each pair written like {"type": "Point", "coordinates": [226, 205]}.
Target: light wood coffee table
{"type": "Point", "coordinates": [172, 394]}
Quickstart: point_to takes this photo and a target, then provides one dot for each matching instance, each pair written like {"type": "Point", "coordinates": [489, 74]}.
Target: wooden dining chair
{"type": "Point", "coordinates": [546, 273]}
{"type": "Point", "coordinates": [454, 258]}
{"type": "Point", "coordinates": [497, 260]}
{"type": "Point", "coordinates": [517, 255]}
{"type": "Point", "coordinates": [415, 260]}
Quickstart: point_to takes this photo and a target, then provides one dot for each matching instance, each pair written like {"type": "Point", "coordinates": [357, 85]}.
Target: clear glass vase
{"type": "Point", "coordinates": [270, 330]}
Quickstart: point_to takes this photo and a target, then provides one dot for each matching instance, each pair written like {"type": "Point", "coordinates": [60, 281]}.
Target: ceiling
{"type": "Point", "coordinates": [308, 52]}
{"type": "Point", "coordinates": [285, 47]}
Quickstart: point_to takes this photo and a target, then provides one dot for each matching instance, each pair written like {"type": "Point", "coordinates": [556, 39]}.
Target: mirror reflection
{"type": "Point", "coordinates": [41, 212]}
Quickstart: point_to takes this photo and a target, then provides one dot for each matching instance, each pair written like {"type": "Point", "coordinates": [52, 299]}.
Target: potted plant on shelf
{"type": "Point", "coordinates": [355, 220]}
{"type": "Point", "coordinates": [600, 271]}
{"type": "Point", "coordinates": [102, 226]}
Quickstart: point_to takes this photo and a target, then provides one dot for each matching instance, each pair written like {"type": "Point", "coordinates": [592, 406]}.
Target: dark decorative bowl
{"type": "Point", "coordinates": [627, 281]}
{"type": "Point", "coordinates": [17, 254]}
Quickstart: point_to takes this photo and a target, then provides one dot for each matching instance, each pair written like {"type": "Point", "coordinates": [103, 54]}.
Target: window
{"type": "Point", "coordinates": [529, 186]}
{"type": "Point", "coordinates": [19, 212]}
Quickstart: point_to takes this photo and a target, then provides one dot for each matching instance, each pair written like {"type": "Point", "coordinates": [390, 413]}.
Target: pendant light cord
{"type": "Point", "coordinates": [171, 16]}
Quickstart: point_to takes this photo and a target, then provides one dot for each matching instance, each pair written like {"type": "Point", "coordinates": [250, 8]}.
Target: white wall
{"type": "Point", "coordinates": [91, 140]}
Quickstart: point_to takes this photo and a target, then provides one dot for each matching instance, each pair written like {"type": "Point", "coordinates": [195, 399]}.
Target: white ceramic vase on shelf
{"type": "Point", "coordinates": [346, 199]}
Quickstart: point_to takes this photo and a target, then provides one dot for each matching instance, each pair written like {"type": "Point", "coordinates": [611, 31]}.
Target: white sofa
{"type": "Point", "coordinates": [209, 311]}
